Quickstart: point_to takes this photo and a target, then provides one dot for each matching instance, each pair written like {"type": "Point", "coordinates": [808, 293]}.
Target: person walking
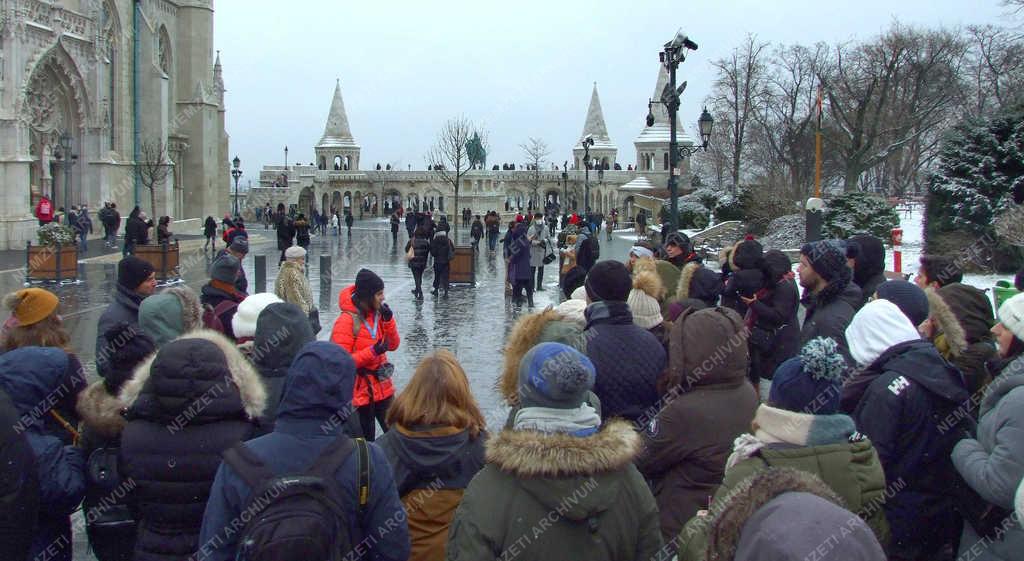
{"type": "Point", "coordinates": [366, 328]}
{"type": "Point", "coordinates": [476, 231]}
{"type": "Point", "coordinates": [308, 439]}
{"type": "Point", "coordinates": [555, 454]}
{"type": "Point", "coordinates": [991, 464]}
{"type": "Point", "coordinates": [301, 226]}
{"type": "Point", "coordinates": [285, 231]}
{"type": "Point", "coordinates": [44, 210]}
{"type": "Point", "coordinates": [292, 285]}
{"type": "Point", "coordinates": [435, 448]}
{"type": "Point", "coordinates": [493, 224]}
{"type": "Point", "coordinates": [395, 222]}
{"type": "Point", "coordinates": [417, 250]}
{"type": "Point", "coordinates": [134, 232]}
{"type": "Point", "coordinates": [520, 275]}
{"type": "Point", "coordinates": [163, 231]}
{"type": "Point", "coordinates": [349, 219]}
{"type": "Point", "coordinates": [443, 251]}
{"type": "Point", "coordinates": [136, 280]}
{"type": "Point", "coordinates": [210, 233]}
{"type": "Point", "coordinates": [171, 447]}
{"type": "Point", "coordinates": [540, 246]}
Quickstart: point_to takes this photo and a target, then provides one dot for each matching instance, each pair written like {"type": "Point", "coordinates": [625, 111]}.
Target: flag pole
{"type": "Point", "coordinates": [817, 151]}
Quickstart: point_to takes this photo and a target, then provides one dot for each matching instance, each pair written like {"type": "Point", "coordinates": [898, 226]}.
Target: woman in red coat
{"type": "Point", "coordinates": [366, 328]}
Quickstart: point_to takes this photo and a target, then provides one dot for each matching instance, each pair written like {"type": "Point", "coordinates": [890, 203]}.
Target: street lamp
{"type": "Point", "coordinates": [565, 188]}
{"type": "Point", "coordinates": [671, 56]}
{"type": "Point", "coordinates": [67, 159]}
{"type": "Point", "coordinates": [587, 143]}
{"type": "Point", "coordinates": [286, 165]}
{"type": "Point", "coordinates": [237, 174]}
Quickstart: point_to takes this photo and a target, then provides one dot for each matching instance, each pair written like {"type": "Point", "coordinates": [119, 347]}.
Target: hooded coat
{"type": "Point", "coordinates": [30, 376]}
{"type": "Point", "coordinates": [315, 405]}
{"type": "Point", "coordinates": [830, 311]}
{"type": "Point", "coordinates": [123, 309]}
{"type": "Point", "coordinates": [168, 315]}
{"type": "Point", "coordinates": [697, 286]}
{"type": "Point", "coordinates": [441, 248]}
{"type": "Point", "coordinates": [827, 446]}
{"type": "Point", "coordinates": [420, 250]}
{"type": "Point", "coordinates": [281, 331]}
{"type": "Point", "coordinates": [993, 464]}
{"type": "Point", "coordinates": [519, 254]}
{"type": "Point", "coordinates": [962, 316]}
{"type": "Point", "coordinates": [628, 360]}
{"type": "Point", "coordinates": [293, 286]}
{"type": "Point", "coordinates": [901, 402]}
{"type": "Point", "coordinates": [368, 388]}
{"type": "Point", "coordinates": [554, 496]}
{"type": "Point", "coordinates": [775, 312]}
{"type": "Point", "coordinates": [869, 265]}
{"type": "Point", "coordinates": [708, 404]}
{"type": "Point", "coordinates": [19, 485]}
{"type": "Point", "coordinates": [432, 466]}
{"type": "Point", "coordinates": [538, 235]}
{"type": "Point", "coordinates": [195, 398]}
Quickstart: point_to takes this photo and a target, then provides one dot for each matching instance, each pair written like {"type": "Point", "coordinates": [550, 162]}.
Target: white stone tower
{"type": "Point", "coordinates": [603, 150]}
{"type": "Point", "coordinates": [337, 150]}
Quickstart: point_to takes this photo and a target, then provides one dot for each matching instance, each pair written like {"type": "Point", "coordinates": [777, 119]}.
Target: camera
{"type": "Point", "coordinates": [385, 371]}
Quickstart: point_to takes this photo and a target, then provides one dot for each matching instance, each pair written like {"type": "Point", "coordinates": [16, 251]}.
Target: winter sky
{"type": "Point", "coordinates": [520, 69]}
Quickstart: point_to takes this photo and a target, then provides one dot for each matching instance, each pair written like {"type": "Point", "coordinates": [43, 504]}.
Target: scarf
{"type": "Point", "coordinates": [780, 426]}
{"type": "Point", "coordinates": [582, 421]}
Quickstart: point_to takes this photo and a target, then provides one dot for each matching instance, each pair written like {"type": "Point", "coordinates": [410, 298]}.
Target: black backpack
{"type": "Point", "coordinates": [299, 517]}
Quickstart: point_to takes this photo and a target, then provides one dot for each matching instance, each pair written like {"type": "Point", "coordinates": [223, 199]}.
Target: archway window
{"type": "Point", "coordinates": [666, 160]}
{"type": "Point", "coordinates": [323, 162]}
{"type": "Point", "coordinates": [337, 163]}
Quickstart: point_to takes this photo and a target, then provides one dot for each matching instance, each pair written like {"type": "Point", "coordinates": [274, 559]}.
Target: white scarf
{"type": "Point", "coordinates": [581, 421]}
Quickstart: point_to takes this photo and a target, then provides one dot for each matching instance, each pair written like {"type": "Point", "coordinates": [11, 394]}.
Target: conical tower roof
{"type": "Point", "coordinates": [337, 133]}
{"type": "Point", "coordinates": [594, 125]}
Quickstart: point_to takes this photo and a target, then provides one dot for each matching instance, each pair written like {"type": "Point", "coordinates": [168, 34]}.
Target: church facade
{"type": "Point", "coordinates": [337, 180]}
{"type": "Point", "coordinates": [92, 89]}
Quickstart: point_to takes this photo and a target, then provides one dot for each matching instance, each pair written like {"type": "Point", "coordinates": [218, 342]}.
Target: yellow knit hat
{"type": "Point", "coordinates": [31, 305]}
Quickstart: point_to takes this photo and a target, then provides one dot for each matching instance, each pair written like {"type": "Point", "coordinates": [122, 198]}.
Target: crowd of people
{"type": "Point", "coordinates": [665, 408]}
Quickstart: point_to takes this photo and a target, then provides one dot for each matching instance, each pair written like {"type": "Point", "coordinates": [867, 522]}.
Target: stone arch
{"type": "Point", "coordinates": [323, 163]}
{"type": "Point", "coordinates": [307, 201]}
{"type": "Point", "coordinates": [337, 163]}
{"type": "Point", "coordinates": [392, 200]}
{"type": "Point", "coordinates": [346, 200]}
{"type": "Point", "coordinates": [335, 202]}
{"type": "Point", "coordinates": [325, 203]}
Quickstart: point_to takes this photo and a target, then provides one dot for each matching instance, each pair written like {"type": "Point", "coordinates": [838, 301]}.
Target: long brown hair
{"type": "Point", "coordinates": [48, 332]}
{"type": "Point", "coordinates": [438, 394]}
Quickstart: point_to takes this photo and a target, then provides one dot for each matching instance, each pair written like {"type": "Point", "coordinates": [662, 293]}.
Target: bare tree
{"type": "Point", "coordinates": [737, 94]}
{"type": "Point", "coordinates": [536, 151]}
{"type": "Point", "coordinates": [449, 158]}
{"type": "Point", "coordinates": [152, 167]}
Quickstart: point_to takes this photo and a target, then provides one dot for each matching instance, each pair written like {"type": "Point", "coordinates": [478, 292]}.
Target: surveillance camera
{"type": "Point", "coordinates": [588, 137]}
{"type": "Point", "coordinates": [681, 40]}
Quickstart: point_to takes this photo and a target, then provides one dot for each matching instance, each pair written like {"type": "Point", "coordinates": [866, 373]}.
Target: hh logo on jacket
{"type": "Point", "coordinates": [898, 385]}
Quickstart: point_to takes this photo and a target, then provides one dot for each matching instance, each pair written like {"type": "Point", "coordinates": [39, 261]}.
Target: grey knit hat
{"type": "Point", "coordinates": [556, 376]}
{"type": "Point", "coordinates": [225, 268]}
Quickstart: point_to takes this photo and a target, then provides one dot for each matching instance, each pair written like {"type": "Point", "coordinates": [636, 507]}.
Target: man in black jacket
{"type": "Point", "coordinates": [442, 250]}
{"type": "Point", "coordinates": [830, 296]}
{"type": "Point", "coordinates": [866, 256]}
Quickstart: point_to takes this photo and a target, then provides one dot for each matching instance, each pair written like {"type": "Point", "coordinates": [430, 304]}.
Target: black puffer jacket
{"type": "Point", "coordinates": [903, 402]}
{"type": "Point", "coordinates": [628, 360]}
{"type": "Point", "coordinates": [869, 265]}
{"type": "Point", "coordinates": [829, 312]}
{"type": "Point", "coordinates": [282, 330]}
{"type": "Point", "coordinates": [421, 250]}
{"type": "Point", "coordinates": [194, 399]}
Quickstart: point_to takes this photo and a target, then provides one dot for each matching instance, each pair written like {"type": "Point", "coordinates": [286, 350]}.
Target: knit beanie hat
{"type": "Point", "coordinates": [368, 284]}
{"type": "Point", "coordinates": [556, 376]}
{"type": "Point", "coordinates": [909, 297]}
{"type": "Point", "coordinates": [810, 382]}
{"type": "Point", "coordinates": [129, 346]}
{"type": "Point", "coordinates": [579, 294]}
{"type": "Point", "coordinates": [240, 244]}
{"type": "Point", "coordinates": [574, 310]}
{"type": "Point", "coordinates": [827, 258]}
{"type": "Point", "coordinates": [244, 321]}
{"type": "Point", "coordinates": [1011, 314]}
{"type": "Point", "coordinates": [31, 305]}
{"type": "Point", "coordinates": [608, 280]}
{"type": "Point", "coordinates": [877, 327]}
{"type": "Point", "coordinates": [225, 268]}
{"type": "Point", "coordinates": [644, 300]}
{"type": "Point", "coordinates": [132, 271]}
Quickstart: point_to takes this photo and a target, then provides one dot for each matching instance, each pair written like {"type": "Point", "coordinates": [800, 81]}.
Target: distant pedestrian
{"type": "Point", "coordinates": [136, 280]}
{"type": "Point", "coordinates": [292, 285]}
{"type": "Point", "coordinates": [163, 231]}
{"type": "Point", "coordinates": [476, 231]}
{"type": "Point", "coordinates": [395, 222]}
{"type": "Point", "coordinates": [210, 232]}
{"type": "Point", "coordinates": [349, 219]}
{"type": "Point", "coordinates": [220, 297]}
{"type": "Point", "coordinates": [417, 251]}
{"type": "Point", "coordinates": [302, 231]}
{"type": "Point", "coordinates": [285, 231]}
{"type": "Point", "coordinates": [443, 251]}
{"type": "Point", "coordinates": [44, 210]}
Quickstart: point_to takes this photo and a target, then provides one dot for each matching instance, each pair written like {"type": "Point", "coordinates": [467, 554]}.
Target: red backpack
{"type": "Point", "coordinates": [211, 315]}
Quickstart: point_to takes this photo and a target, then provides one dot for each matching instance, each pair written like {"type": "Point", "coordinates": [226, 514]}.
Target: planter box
{"type": "Point", "coordinates": [463, 266]}
{"type": "Point", "coordinates": [163, 258]}
{"type": "Point", "coordinates": [52, 263]}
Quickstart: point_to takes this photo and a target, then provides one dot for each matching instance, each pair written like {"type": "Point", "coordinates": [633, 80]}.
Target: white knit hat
{"type": "Point", "coordinates": [244, 321]}
{"type": "Point", "coordinates": [573, 310]}
{"type": "Point", "coordinates": [579, 294]}
{"type": "Point", "coordinates": [646, 310]}
{"type": "Point", "coordinates": [1011, 315]}
{"type": "Point", "coordinates": [294, 252]}
{"type": "Point", "coordinates": [877, 327]}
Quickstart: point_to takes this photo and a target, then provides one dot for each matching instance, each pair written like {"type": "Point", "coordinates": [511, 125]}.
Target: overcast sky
{"type": "Point", "coordinates": [520, 69]}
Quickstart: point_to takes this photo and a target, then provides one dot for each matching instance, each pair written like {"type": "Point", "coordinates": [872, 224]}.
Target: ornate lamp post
{"type": "Point", "coordinates": [67, 159]}
{"type": "Point", "coordinates": [565, 188]}
{"type": "Point", "coordinates": [587, 143]}
{"type": "Point", "coordinates": [236, 173]}
{"type": "Point", "coordinates": [286, 165]}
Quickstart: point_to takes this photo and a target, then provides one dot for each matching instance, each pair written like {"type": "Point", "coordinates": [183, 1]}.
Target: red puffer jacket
{"type": "Point", "coordinates": [360, 346]}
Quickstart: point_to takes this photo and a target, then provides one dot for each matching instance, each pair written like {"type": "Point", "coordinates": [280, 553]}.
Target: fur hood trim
{"type": "Point", "coordinates": [685, 278]}
{"type": "Point", "coordinates": [191, 310]}
{"type": "Point", "coordinates": [650, 283]}
{"type": "Point", "coordinates": [946, 322]}
{"type": "Point", "coordinates": [243, 374]}
{"type": "Point", "coordinates": [529, 454]}
{"type": "Point", "coordinates": [101, 411]}
{"type": "Point", "coordinates": [643, 264]}
{"type": "Point", "coordinates": [524, 336]}
{"type": "Point", "coordinates": [730, 515]}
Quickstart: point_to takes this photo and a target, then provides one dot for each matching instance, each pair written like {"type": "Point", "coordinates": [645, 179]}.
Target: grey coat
{"type": "Point", "coordinates": [993, 465]}
{"type": "Point", "coordinates": [538, 235]}
{"type": "Point", "coordinates": [124, 309]}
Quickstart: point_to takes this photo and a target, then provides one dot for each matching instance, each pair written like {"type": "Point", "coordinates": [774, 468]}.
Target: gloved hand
{"type": "Point", "coordinates": [385, 312]}
{"type": "Point", "coordinates": [380, 347]}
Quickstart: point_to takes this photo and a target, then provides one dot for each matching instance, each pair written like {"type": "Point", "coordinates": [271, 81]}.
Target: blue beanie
{"type": "Point", "coordinates": [908, 297]}
{"type": "Point", "coordinates": [810, 382]}
{"type": "Point", "coordinates": [556, 376]}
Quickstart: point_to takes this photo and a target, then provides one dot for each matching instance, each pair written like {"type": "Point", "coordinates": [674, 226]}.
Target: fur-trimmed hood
{"type": "Point", "coordinates": [101, 411]}
{"type": "Point", "coordinates": [529, 331]}
{"type": "Point", "coordinates": [170, 314]}
{"type": "Point", "coordinates": [243, 375]}
{"type": "Point", "coordinates": [685, 278]}
{"type": "Point", "coordinates": [649, 282]}
{"type": "Point", "coordinates": [946, 323]}
{"type": "Point", "coordinates": [698, 282]}
{"type": "Point", "coordinates": [531, 454]}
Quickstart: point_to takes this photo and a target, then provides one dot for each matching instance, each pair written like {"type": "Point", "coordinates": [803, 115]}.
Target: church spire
{"type": "Point", "coordinates": [336, 132]}
{"type": "Point", "coordinates": [218, 80]}
{"type": "Point", "coordinates": [594, 125]}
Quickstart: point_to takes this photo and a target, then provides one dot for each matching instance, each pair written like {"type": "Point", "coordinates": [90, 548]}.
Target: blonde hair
{"type": "Point", "coordinates": [48, 332]}
{"type": "Point", "coordinates": [438, 394]}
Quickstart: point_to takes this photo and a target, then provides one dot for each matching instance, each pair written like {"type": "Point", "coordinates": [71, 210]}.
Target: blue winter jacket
{"type": "Point", "coordinates": [32, 378]}
{"type": "Point", "coordinates": [315, 403]}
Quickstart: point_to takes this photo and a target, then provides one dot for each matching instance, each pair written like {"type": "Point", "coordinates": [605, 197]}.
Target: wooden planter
{"type": "Point", "coordinates": [463, 266]}
{"type": "Point", "coordinates": [163, 258]}
{"type": "Point", "coordinates": [51, 262]}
